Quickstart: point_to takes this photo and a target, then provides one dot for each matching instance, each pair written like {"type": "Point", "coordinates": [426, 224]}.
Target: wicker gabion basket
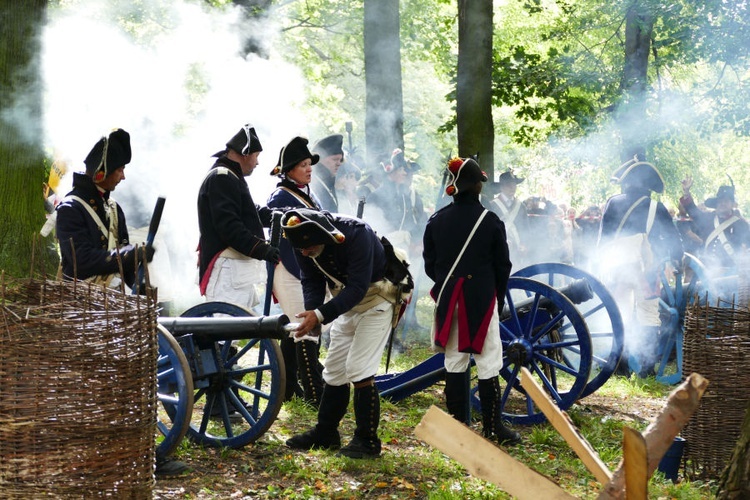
{"type": "Point", "coordinates": [717, 345]}
{"type": "Point", "coordinates": [78, 391]}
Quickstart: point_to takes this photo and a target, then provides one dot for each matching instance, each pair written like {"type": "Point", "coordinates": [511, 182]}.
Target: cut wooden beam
{"type": "Point", "coordinates": [659, 436]}
{"type": "Point", "coordinates": [560, 421]}
{"type": "Point", "coordinates": [484, 459]}
{"type": "Point", "coordinates": [635, 463]}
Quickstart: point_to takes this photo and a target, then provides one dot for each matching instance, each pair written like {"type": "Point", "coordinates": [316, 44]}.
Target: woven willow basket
{"type": "Point", "coordinates": [717, 345]}
{"type": "Point", "coordinates": [77, 391]}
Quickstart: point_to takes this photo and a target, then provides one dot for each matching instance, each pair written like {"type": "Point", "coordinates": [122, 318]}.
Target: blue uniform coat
{"type": "Point", "coordinates": [227, 215]}
{"type": "Point", "coordinates": [74, 223]}
{"type": "Point", "coordinates": [664, 237]}
{"type": "Point", "coordinates": [480, 278]}
{"type": "Point", "coordinates": [287, 196]}
{"type": "Point", "coordinates": [357, 262]}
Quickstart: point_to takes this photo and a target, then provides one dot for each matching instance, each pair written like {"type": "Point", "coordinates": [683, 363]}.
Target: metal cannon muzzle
{"type": "Point", "coordinates": [577, 292]}
{"type": "Point", "coordinates": [230, 327]}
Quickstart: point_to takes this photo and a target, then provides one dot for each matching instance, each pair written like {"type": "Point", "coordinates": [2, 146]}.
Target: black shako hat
{"type": "Point", "coordinates": [329, 146]}
{"type": "Point", "coordinates": [305, 227]}
{"type": "Point", "coordinates": [108, 154]}
{"type": "Point", "coordinates": [293, 153]}
{"type": "Point", "coordinates": [244, 142]}
{"type": "Point", "coordinates": [508, 177]}
{"type": "Point", "coordinates": [724, 193]}
{"type": "Point", "coordinates": [463, 174]}
{"type": "Point", "coordinates": [639, 173]}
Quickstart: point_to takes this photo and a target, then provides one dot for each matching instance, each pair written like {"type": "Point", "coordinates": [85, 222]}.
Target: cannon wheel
{"type": "Point", "coordinates": [601, 314]}
{"type": "Point", "coordinates": [238, 405]}
{"type": "Point", "coordinates": [559, 357]}
{"type": "Point", "coordinates": [174, 391]}
{"type": "Point", "coordinates": [689, 285]}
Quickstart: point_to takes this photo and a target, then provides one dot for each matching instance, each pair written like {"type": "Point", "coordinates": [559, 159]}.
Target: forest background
{"type": "Point", "coordinates": [570, 89]}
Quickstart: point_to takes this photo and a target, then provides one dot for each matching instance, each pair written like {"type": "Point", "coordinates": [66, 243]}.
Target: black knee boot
{"type": "Point", "coordinates": [289, 353]}
{"type": "Point", "coordinates": [325, 434]}
{"type": "Point", "coordinates": [365, 443]}
{"type": "Point", "coordinates": [457, 395]}
{"type": "Point", "coordinates": [310, 371]}
{"type": "Point", "coordinates": [492, 421]}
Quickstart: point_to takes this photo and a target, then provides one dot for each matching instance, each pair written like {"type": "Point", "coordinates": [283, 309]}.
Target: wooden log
{"type": "Point", "coordinates": [635, 461]}
{"type": "Point", "coordinates": [484, 459]}
{"type": "Point", "coordinates": [560, 421]}
{"type": "Point", "coordinates": [659, 436]}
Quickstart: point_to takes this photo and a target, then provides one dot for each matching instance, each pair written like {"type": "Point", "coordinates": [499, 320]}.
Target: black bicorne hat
{"type": "Point", "coordinates": [330, 145]}
{"type": "Point", "coordinates": [293, 153]}
{"type": "Point", "coordinates": [639, 173]}
{"type": "Point", "coordinates": [108, 154]}
{"type": "Point", "coordinates": [349, 168]}
{"type": "Point", "coordinates": [508, 177]}
{"type": "Point", "coordinates": [244, 142]}
{"type": "Point", "coordinates": [463, 174]}
{"type": "Point", "coordinates": [304, 228]}
{"type": "Point", "coordinates": [724, 193]}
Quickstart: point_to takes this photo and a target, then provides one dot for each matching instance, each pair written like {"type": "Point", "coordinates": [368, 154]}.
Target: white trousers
{"type": "Point", "coordinates": [288, 291]}
{"type": "Point", "coordinates": [234, 281]}
{"type": "Point", "coordinates": [489, 362]}
{"type": "Point", "coordinates": [357, 344]}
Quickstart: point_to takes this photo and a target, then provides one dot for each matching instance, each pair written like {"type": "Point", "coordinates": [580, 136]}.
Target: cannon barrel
{"type": "Point", "coordinates": [577, 292]}
{"type": "Point", "coordinates": [230, 327]}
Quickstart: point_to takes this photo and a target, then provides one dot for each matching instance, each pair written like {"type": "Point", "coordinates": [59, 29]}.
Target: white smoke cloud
{"type": "Point", "coordinates": [182, 89]}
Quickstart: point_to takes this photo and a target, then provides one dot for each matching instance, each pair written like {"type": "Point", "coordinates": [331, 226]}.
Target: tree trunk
{"type": "Point", "coordinates": [734, 483]}
{"type": "Point", "coordinates": [21, 137]}
{"type": "Point", "coordinates": [639, 25]}
{"type": "Point", "coordinates": [384, 115]}
{"type": "Point", "coordinates": [475, 129]}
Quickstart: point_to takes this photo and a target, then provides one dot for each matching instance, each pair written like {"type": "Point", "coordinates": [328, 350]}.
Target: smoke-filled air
{"type": "Point", "coordinates": [182, 91]}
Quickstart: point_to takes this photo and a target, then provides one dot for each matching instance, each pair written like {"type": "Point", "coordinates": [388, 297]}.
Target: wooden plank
{"type": "Point", "coordinates": [484, 459]}
{"type": "Point", "coordinates": [659, 435]}
{"type": "Point", "coordinates": [635, 463]}
{"type": "Point", "coordinates": [560, 421]}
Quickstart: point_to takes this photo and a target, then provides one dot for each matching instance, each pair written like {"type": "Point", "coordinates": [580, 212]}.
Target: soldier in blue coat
{"type": "Point", "coordinates": [93, 234]}
{"type": "Point", "coordinates": [331, 151]}
{"type": "Point", "coordinates": [345, 255]}
{"type": "Point", "coordinates": [90, 225]}
{"type": "Point", "coordinates": [466, 255]}
{"type": "Point", "coordinates": [232, 241]}
{"type": "Point", "coordinates": [294, 168]}
{"type": "Point", "coordinates": [635, 236]}
{"type": "Point", "coordinates": [725, 234]}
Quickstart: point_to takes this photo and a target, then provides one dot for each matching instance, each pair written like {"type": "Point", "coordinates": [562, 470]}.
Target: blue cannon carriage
{"type": "Point", "coordinates": [221, 375]}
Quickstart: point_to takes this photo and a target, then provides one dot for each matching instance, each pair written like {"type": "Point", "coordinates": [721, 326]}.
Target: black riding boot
{"type": "Point", "coordinates": [492, 421]}
{"type": "Point", "coordinates": [289, 353]}
{"type": "Point", "coordinates": [365, 443]}
{"type": "Point", "coordinates": [457, 395]}
{"type": "Point", "coordinates": [325, 434]}
{"type": "Point", "coordinates": [310, 371]}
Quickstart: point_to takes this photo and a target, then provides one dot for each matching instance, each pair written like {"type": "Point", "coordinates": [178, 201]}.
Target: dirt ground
{"type": "Point", "coordinates": [244, 474]}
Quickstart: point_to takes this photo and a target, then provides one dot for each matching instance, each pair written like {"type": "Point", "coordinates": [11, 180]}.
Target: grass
{"type": "Point", "coordinates": [409, 468]}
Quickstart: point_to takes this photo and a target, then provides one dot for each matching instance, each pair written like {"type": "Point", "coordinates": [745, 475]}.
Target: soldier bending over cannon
{"type": "Point", "coordinates": [346, 255]}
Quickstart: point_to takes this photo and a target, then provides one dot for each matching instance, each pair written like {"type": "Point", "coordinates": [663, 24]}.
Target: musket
{"type": "Point", "coordinates": [270, 266]}
{"type": "Point", "coordinates": [150, 236]}
{"type": "Point", "coordinates": [361, 207]}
